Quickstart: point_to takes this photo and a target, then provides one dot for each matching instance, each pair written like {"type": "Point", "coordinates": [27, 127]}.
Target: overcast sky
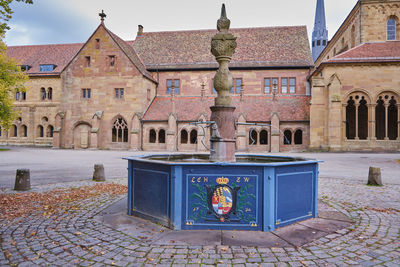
{"type": "Point", "coordinates": [73, 21]}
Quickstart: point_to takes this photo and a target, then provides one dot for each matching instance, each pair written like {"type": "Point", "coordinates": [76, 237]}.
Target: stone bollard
{"type": "Point", "coordinates": [98, 174]}
{"type": "Point", "coordinates": [374, 176]}
{"type": "Point", "coordinates": [22, 180]}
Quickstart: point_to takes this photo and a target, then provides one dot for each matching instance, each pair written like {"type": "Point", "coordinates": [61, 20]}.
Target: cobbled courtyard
{"type": "Point", "coordinates": [75, 238]}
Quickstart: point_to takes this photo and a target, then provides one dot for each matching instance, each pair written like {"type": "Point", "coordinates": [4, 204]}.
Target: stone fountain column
{"type": "Point", "coordinates": [223, 141]}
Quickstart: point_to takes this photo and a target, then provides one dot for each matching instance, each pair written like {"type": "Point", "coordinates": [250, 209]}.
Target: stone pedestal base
{"type": "Point", "coordinates": [222, 141]}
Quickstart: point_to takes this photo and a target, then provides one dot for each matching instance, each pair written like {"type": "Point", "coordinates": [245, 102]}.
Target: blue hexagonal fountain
{"type": "Point", "coordinates": [222, 190]}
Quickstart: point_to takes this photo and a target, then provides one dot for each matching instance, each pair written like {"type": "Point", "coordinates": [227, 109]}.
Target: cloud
{"type": "Point", "coordinates": [47, 21]}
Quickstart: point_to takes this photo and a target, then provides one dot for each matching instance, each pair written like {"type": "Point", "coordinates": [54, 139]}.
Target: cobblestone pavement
{"type": "Point", "coordinates": [77, 239]}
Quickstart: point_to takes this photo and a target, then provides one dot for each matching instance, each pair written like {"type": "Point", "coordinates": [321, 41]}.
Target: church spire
{"type": "Point", "coordinates": [320, 33]}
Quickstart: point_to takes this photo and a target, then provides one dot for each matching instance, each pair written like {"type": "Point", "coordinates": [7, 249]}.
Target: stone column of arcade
{"type": "Point", "coordinates": [223, 141]}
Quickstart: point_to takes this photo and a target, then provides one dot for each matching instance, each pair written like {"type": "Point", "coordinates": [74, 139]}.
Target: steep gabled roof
{"type": "Point", "coordinates": [256, 108]}
{"type": "Point", "coordinates": [36, 55]}
{"type": "Point", "coordinates": [131, 54]}
{"type": "Point", "coordinates": [370, 52]}
{"type": "Point", "coordinates": [256, 47]}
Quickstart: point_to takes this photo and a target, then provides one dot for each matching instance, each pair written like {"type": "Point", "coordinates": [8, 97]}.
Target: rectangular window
{"type": "Point", "coordinates": [148, 94]}
{"type": "Point", "coordinates": [267, 85]}
{"type": "Point", "coordinates": [173, 85]}
{"type": "Point", "coordinates": [87, 63]}
{"type": "Point", "coordinates": [292, 85]}
{"type": "Point", "coordinates": [17, 95]}
{"type": "Point", "coordinates": [119, 93]}
{"type": "Point", "coordinates": [238, 85]}
{"type": "Point", "coordinates": [47, 68]}
{"type": "Point", "coordinates": [284, 86]}
{"type": "Point", "coordinates": [111, 60]}
{"type": "Point", "coordinates": [275, 82]}
{"type": "Point", "coordinates": [213, 88]}
{"type": "Point", "coordinates": [86, 93]}
{"type": "Point", "coordinates": [25, 67]}
{"type": "Point", "coordinates": [23, 95]}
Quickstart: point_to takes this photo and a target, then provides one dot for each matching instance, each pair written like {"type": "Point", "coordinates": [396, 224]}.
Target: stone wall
{"type": "Point", "coordinates": [35, 112]}
{"type": "Point", "coordinates": [330, 94]}
{"type": "Point", "coordinates": [82, 127]}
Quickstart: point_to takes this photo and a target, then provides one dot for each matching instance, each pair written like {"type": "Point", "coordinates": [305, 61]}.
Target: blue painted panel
{"type": "Point", "coordinates": [294, 195]}
{"type": "Point", "coordinates": [269, 200]}
{"type": "Point", "coordinates": [223, 198]}
{"type": "Point", "coordinates": [151, 194]}
{"type": "Point", "coordinates": [176, 197]}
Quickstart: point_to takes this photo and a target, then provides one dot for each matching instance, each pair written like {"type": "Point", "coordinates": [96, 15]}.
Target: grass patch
{"type": "Point", "coordinates": [6, 149]}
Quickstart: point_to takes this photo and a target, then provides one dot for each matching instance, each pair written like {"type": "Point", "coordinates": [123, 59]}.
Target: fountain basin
{"type": "Point", "coordinates": [187, 192]}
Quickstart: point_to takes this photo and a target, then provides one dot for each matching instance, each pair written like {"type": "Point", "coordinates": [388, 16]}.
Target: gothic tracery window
{"type": "Point", "coordinates": [350, 119]}
{"type": "Point", "coordinates": [120, 131]}
{"type": "Point", "coordinates": [392, 119]}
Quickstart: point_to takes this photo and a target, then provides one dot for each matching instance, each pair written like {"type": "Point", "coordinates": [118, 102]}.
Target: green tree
{"type": "Point", "coordinates": [11, 77]}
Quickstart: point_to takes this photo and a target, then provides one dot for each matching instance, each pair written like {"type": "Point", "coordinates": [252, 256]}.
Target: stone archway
{"type": "Point", "coordinates": [82, 135]}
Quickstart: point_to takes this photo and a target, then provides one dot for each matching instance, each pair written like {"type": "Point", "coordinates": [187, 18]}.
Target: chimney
{"type": "Point", "coordinates": [140, 31]}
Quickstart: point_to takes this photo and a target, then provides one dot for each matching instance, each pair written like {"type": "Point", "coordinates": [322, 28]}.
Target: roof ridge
{"type": "Point", "coordinates": [41, 45]}
{"type": "Point", "coordinates": [231, 29]}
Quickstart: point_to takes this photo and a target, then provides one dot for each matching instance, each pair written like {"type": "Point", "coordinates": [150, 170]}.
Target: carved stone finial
{"type": "Point", "coordinates": [223, 23]}
{"type": "Point", "coordinates": [102, 16]}
{"type": "Point", "coordinates": [223, 46]}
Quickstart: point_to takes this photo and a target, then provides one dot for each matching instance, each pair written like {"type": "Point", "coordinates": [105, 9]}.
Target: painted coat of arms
{"type": "Point", "coordinates": [222, 200]}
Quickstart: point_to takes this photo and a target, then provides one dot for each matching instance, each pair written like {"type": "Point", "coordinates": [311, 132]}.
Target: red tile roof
{"type": "Point", "coordinates": [370, 52]}
{"type": "Point", "coordinates": [256, 47]}
{"type": "Point", "coordinates": [36, 55]}
{"type": "Point", "coordinates": [256, 108]}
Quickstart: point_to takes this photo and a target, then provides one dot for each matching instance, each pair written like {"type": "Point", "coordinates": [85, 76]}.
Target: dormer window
{"type": "Point", "coordinates": [47, 67]}
{"type": "Point", "coordinates": [25, 67]}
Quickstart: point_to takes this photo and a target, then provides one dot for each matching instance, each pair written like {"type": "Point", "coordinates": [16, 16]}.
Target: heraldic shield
{"type": "Point", "coordinates": [222, 203]}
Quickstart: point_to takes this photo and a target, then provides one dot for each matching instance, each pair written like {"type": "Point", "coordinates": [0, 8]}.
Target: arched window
{"type": "Point", "coordinates": [350, 119]}
{"type": "Point", "coordinates": [391, 29]}
{"type": "Point", "coordinates": [253, 137]}
{"type": "Point", "coordinates": [152, 136]}
{"type": "Point", "coordinates": [287, 137]}
{"type": "Point", "coordinates": [40, 132]}
{"type": "Point", "coordinates": [184, 137]}
{"type": "Point", "coordinates": [161, 136]}
{"type": "Point", "coordinates": [380, 119]}
{"type": "Point", "coordinates": [24, 131]}
{"type": "Point", "coordinates": [193, 136]}
{"type": "Point", "coordinates": [42, 93]}
{"type": "Point", "coordinates": [263, 137]}
{"type": "Point", "coordinates": [50, 130]}
{"type": "Point", "coordinates": [50, 93]}
{"type": "Point", "coordinates": [14, 130]}
{"type": "Point", "coordinates": [392, 119]}
{"type": "Point", "coordinates": [120, 131]}
{"type": "Point", "coordinates": [298, 137]}
{"type": "Point", "coordinates": [362, 119]}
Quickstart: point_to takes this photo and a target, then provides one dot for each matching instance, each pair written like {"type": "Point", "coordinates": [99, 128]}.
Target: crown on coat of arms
{"type": "Point", "coordinates": [222, 180]}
